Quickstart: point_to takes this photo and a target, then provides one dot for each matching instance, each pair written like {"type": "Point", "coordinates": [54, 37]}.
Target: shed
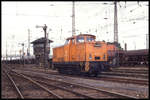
{"type": "Point", "coordinates": [38, 49]}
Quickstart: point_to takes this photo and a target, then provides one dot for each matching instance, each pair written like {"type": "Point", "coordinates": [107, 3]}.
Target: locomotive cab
{"type": "Point", "coordinates": [80, 39]}
{"type": "Point", "coordinates": [81, 54]}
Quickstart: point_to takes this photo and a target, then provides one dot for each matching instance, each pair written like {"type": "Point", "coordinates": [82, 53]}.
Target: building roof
{"type": "Point", "coordinates": [40, 40]}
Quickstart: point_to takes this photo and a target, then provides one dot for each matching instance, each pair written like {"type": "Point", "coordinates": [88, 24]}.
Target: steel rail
{"type": "Point", "coordinates": [129, 71]}
{"type": "Point", "coordinates": [101, 90]}
{"type": "Point", "coordinates": [63, 88]}
{"type": "Point", "coordinates": [124, 74]}
{"type": "Point", "coordinates": [57, 86]}
{"type": "Point", "coordinates": [125, 79]}
{"type": "Point", "coordinates": [98, 89]}
{"type": "Point", "coordinates": [49, 91]}
{"type": "Point", "coordinates": [115, 78]}
{"type": "Point", "coordinates": [14, 84]}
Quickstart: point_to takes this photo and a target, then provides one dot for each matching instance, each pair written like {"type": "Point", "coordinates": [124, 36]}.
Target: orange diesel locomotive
{"type": "Point", "coordinates": [81, 54]}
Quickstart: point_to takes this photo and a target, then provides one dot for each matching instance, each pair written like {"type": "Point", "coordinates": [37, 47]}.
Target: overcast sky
{"type": "Point", "coordinates": [18, 17]}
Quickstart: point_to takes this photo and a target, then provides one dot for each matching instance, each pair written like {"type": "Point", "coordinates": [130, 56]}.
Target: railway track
{"type": "Point", "coordinates": [104, 77]}
{"type": "Point", "coordinates": [117, 79]}
{"type": "Point", "coordinates": [66, 76]}
{"type": "Point", "coordinates": [54, 90]}
{"type": "Point", "coordinates": [91, 92]}
{"type": "Point", "coordinates": [27, 88]}
{"type": "Point", "coordinates": [74, 90]}
{"type": "Point", "coordinates": [137, 91]}
{"type": "Point", "coordinates": [123, 80]}
{"type": "Point", "coordinates": [130, 71]}
{"type": "Point", "coordinates": [135, 69]}
{"type": "Point", "coordinates": [142, 76]}
{"type": "Point", "coordinates": [8, 90]}
{"type": "Point", "coordinates": [14, 85]}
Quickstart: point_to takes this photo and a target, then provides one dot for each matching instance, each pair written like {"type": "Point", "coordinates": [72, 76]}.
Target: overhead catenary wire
{"type": "Point", "coordinates": [97, 13]}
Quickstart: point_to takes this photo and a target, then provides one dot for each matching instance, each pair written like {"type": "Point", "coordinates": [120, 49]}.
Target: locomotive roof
{"type": "Point", "coordinates": [82, 35]}
{"type": "Point", "coordinates": [41, 40]}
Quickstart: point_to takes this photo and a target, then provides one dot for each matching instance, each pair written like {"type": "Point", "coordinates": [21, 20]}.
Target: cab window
{"type": "Point", "coordinates": [67, 42]}
{"type": "Point", "coordinates": [89, 39]}
{"type": "Point", "coordinates": [73, 41]}
{"type": "Point", "coordinates": [80, 39]}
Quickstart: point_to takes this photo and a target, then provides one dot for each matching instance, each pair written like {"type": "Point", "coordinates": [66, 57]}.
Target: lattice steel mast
{"type": "Point", "coordinates": [116, 33]}
{"type": "Point", "coordinates": [115, 23]}
{"type": "Point", "coordinates": [73, 19]}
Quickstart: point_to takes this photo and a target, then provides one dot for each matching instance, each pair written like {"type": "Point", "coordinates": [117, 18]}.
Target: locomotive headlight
{"type": "Point", "coordinates": [90, 56]}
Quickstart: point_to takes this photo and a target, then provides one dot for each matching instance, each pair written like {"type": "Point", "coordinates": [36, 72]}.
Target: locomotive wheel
{"type": "Point", "coordinates": [94, 70]}
{"type": "Point", "coordinates": [61, 71]}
